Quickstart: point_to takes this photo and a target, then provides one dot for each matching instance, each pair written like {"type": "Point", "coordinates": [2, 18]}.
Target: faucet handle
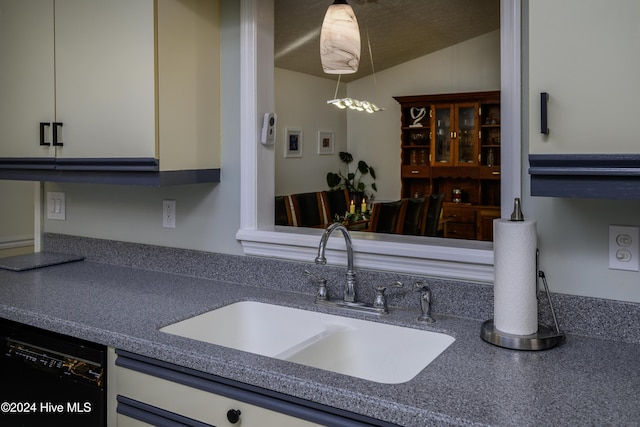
{"type": "Point", "coordinates": [425, 302]}
{"type": "Point", "coordinates": [380, 300]}
{"type": "Point", "coordinates": [322, 293]}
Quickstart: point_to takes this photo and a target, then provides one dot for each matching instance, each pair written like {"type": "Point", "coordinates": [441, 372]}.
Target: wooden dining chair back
{"type": "Point", "coordinates": [336, 202]}
{"type": "Point", "coordinates": [414, 216]}
{"type": "Point", "coordinates": [434, 211]}
{"type": "Point", "coordinates": [283, 213]}
{"type": "Point", "coordinates": [308, 210]}
{"type": "Point", "coordinates": [385, 217]}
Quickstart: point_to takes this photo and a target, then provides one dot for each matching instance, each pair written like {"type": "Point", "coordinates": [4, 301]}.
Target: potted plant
{"type": "Point", "coordinates": [354, 181]}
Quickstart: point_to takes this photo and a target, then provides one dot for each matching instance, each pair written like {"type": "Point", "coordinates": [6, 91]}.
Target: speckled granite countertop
{"type": "Point", "coordinates": [586, 381]}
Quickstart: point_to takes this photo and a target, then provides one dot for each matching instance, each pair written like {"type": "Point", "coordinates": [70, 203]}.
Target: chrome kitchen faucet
{"type": "Point", "coordinates": [348, 300]}
{"type": "Point", "coordinates": [349, 288]}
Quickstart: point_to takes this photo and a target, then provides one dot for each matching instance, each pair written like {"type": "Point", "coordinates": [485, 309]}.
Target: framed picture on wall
{"type": "Point", "coordinates": [325, 142]}
{"type": "Point", "coordinates": [292, 142]}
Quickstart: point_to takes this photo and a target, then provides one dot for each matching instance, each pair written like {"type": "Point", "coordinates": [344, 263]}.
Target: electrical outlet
{"type": "Point", "coordinates": [56, 206]}
{"type": "Point", "coordinates": [169, 213]}
{"type": "Point", "coordinates": [624, 248]}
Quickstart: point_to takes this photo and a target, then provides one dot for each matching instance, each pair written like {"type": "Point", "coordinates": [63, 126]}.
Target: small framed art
{"type": "Point", "coordinates": [325, 142]}
{"type": "Point", "coordinates": [292, 142]}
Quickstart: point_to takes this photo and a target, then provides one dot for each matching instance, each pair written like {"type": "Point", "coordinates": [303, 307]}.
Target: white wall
{"type": "Point", "coordinates": [301, 103]}
{"type": "Point", "coordinates": [16, 217]}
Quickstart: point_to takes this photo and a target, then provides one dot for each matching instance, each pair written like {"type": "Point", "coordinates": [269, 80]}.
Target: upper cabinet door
{"type": "Point", "coordinates": [584, 55]}
{"type": "Point", "coordinates": [26, 77]}
{"type": "Point", "coordinates": [120, 85]}
{"type": "Point", "coordinates": [105, 78]}
{"type": "Point", "coordinates": [467, 134]}
{"type": "Point", "coordinates": [443, 135]}
{"type": "Point", "coordinates": [456, 135]}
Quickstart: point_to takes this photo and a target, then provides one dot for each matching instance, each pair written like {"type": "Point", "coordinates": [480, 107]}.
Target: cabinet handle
{"type": "Point", "coordinates": [56, 126]}
{"type": "Point", "coordinates": [544, 97]}
{"type": "Point", "coordinates": [233, 415]}
{"type": "Point", "coordinates": [43, 125]}
{"type": "Point", "coordinates": [415, 171]}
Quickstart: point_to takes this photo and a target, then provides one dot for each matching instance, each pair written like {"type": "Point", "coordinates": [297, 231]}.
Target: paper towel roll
{"type": "Point", "coordinates": [514, 290]}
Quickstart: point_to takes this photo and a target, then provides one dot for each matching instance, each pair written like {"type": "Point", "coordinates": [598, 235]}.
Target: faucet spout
{"type": "Point", "coordinates": [349, 289]}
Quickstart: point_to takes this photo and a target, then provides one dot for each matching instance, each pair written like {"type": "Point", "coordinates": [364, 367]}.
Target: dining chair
{"type": "Point", "coordinates": [414, 218]}
{"type": "Point", "coordinates": [336, 202]}
{"type": "Point", "coordinates": [433, 213]}
{"type": "Point", "coordinates": [385, 217]}
{"type": "Point", "coordinates": [308, 210]}
{"type": "Point", "coordinates": [283, 212]}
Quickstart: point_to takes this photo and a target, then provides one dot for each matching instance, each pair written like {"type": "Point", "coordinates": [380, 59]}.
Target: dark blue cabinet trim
{"type": "Point", "coordinates": [27, 163]}
{"type": "Point", "coordinates": [587, 176]}
{"type": "Point", "coordinates": [138, 164]}
{"type": "Point", "coordinates": [154, 416]}
{"type": "Point", "coordinates": [124, 171]}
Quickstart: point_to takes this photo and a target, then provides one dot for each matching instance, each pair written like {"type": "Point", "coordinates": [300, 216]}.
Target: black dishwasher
{"type": "Point", "coordinates": [50, 379]}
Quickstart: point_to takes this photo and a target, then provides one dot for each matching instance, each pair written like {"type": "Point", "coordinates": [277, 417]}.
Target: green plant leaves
{"type": "Point", "coordinates": [333, 179]}
{"type": "Point", "coordinates": [352, 181]}
{"type": "Point", "coordinates": [363, 167]}
{"type": "Point", "coordinates": [346, 157]}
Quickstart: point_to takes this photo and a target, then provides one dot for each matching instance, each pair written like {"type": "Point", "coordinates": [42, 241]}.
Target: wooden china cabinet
{"type": "Point", "coordinates": [450, 144]}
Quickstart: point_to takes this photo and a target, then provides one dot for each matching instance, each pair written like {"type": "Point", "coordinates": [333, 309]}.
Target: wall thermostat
{"type": "Point", "coordinates": [269, 129]}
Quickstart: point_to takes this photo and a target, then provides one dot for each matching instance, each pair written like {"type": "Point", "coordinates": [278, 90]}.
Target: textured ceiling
{"type": "Point", "coordinates": [399, 30]}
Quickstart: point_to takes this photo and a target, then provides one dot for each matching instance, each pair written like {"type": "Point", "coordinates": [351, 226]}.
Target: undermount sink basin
{"type": "Point", "coordinates": [369, 350]}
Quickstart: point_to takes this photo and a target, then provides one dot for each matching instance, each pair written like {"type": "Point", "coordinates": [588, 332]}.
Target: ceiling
{"type": "Point", "coordinates": [399, 30]}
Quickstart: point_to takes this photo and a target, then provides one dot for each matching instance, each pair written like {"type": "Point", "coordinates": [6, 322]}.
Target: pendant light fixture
{"type": "Point", "coordinates": [340, 40]}
{"type": "Point", "coordinates": [353, 104]}
{"type": "Point", "coordinates": [356, 104]}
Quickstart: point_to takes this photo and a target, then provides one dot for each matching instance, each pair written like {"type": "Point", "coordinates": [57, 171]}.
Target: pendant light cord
{"type": "Point", "coordinates": [373, 70]}
{"type": "Point", "coordinates": [335, 95]}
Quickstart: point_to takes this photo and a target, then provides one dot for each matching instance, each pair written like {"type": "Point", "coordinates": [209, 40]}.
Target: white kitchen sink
{"type": "Point", "coordinates": [369, 350]}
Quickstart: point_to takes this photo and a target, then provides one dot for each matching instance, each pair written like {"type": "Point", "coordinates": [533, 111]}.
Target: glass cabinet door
{"type": "Point", "coordinates": [443, 134]}
{"type": "Point", "coordinates": [467, 134]}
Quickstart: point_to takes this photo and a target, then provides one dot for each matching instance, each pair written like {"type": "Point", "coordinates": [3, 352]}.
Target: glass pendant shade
{"type": "Point", "coordinates": [340, 40]}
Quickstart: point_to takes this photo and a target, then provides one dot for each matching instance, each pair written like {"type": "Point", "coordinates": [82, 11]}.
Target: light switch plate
{"type": "Point", "coordinates": [169, 213]}
{"type": "Point", "coordinates": [56, 206]}
{"type": "Point", "coordinates": [624, 248]}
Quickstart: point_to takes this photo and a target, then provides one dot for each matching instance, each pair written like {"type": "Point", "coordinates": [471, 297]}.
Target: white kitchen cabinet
{"type": "Point", "coordinates": [27, 88]}
{"type": "Point", "coordinates": [131, 82]}
{"type": "Point", "coordinates": [582, 54]}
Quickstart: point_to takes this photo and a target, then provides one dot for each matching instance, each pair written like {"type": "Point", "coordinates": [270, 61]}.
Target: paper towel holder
{"type": "Point", "coordinates": [544, 339]}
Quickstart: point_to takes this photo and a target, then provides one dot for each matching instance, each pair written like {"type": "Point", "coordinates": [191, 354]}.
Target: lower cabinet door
{"type": "Point", "coordinates": [148, 400]}
{"type": "Point", "coordinates": [125, 421]}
